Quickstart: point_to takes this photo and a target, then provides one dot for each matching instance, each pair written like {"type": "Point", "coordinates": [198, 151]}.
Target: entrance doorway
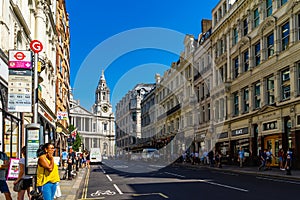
{"type": "Point", "coordinates": [273, 143]}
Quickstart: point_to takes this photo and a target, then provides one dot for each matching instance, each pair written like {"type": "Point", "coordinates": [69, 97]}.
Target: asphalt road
{"type": "Point", "coordinates": [120, 180]}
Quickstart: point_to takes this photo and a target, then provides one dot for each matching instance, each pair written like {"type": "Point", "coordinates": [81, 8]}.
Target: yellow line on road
{"type": "Point", "coordinates": [86, 182]}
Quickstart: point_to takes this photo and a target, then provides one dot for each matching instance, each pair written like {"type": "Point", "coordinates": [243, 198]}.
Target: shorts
{"type": "Point", "coordinates": [4, 187]}
{"type": "Point", "coordinates": [26, 183]}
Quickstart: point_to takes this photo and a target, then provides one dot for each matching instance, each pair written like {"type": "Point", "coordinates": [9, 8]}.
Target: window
{"type": "Point", "coordinates": [298, 26]}
{"type": "Point", "coordinates": [298, 70]}
{"type": "Point", "coordinates": [245, 27]}
{"type": "Point", "coordinates": [270, 90]}
{"type": "Point", "coordinates": [270, 45]}
{"type": "Point", "coordinates": [105, 127]}
{"type": "Point", "coordinates": [222, 108]}
{"type": "Point", "coordinates": [246, 61]}
{"type": "Point", "coordinates": [236, 104]}
{"type": "Point", "coordinates": [285, 80]}
{"type": "Point", "coordinates": [282, 2]}
{"type": "Point", "coordinates": [285, 32]}
{"type": "Point", "coordinates": [208, 111]}
{"type": "Point", "coordinates": [257, 53]}
{"type": "Point", "coordinates": [236, 67]}
{"type": "Point", "coordinates": [257, 95]}
{"type": "Point", "coordinates": [269, 7]}
{"type": "Point", "coordinates": [256, 18]}
{"type": "Point", "coordinates": [246, 100]}
{"type": "Point", "coordinates": [235, 36]}
{"type": "Point", "coordinates": [203, 114]}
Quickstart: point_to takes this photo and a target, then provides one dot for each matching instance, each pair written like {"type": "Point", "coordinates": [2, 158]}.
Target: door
{"type": "Point", "coordinates": [272, 143]}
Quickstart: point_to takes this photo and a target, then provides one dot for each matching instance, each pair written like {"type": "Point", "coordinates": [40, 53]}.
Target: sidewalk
{"type": "Point", "coordinates": [69, 188]}
{"type": "Point", "coordinates": [274, 173]}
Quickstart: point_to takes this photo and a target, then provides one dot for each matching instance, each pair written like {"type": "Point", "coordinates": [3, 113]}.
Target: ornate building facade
{"type": "Point", "coordinates": [96, 127]}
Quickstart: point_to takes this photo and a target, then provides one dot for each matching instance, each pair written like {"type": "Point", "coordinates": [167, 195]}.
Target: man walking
{"type": "Point", "coordinates": [241, 156]}
{"type": "Point", "coordinates": [3, 167]}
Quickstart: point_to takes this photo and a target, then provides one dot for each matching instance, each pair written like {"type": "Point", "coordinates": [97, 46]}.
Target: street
{"type": "Point", "coordinates": [177, 182]}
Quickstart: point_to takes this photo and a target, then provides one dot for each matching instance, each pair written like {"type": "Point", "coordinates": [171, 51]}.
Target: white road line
{"type": "Point", "coordinates": [109, 178]}
{"type": "Point", "coordinates": [225, 186]}
{"type": "Point", "coordinates": [278, 180]}
{"type": "Point", "coordinates": [175, 174]}
{"type": "Point", "coordinates": [118, 189]}
{"type": "Point", "coordinates": [102, 169]}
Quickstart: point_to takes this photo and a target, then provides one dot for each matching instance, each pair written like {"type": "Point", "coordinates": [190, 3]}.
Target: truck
{"type": "Point", "coordinates": [95, 155]}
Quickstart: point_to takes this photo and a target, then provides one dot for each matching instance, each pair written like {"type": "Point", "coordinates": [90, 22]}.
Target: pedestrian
{"type": "Point", "coordinates": [218, 159]}
{"type": "Point", "coordinates": [27, 180]}
{"type": "Point", "coordinates": [72, 156]}
{"type": "Point", "coordinates": [211, 158]}
{"type": "Point", "coordinates": [64, 157]}
{"type": "Point", "coordinates": [83, 159]}
{"type": "Point", "coordinates": [3, 167]}
{"type": "Point", "coordinates": [88, 160]}
{"type": "Point", "coordinates": [269, 159]}
{"type": "Point", "coordinates": [241, 156]}
{"type": "Point", "coordinates": [47, 173]}
{"type": "Point", "coordinates": [288, 164]}
{"type": "Point", "coordinates": [280, 158]}
{"type": "Point", "coordinates": [262, 157]}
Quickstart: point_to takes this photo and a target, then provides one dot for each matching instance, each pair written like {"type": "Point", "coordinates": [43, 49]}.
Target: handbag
{"type": "Point", "coordinates": [18, 186]}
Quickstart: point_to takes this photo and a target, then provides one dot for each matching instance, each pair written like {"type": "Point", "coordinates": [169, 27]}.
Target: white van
{"type": "Point", "coordinates": [148, 154]}
{"type": "Point", "coordinates": [95, 155]}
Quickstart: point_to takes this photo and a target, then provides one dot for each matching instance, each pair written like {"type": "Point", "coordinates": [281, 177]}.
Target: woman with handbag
{"type": "Point", "coordinates": [23, 182]}
{"type": "Point", "coordinates": [47, 172]}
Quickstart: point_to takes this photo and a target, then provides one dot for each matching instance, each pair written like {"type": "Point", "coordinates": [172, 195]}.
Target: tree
{"type": "Point", "coordinates": [77, 142]}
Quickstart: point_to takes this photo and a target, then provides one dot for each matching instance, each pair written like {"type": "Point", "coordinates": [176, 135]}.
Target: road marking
{"type": "Point", "coordinates": [118, 189]}
{"type": "Point", "coordinates": [93, 198]}
{"type": "Point", "coordinates": [278, 180]}
{"type": "Point", "coordinates": [104, 172]}
{"type": "Point", "coordinates": [225, 186]}
{"type": "Point", "coordinates": [84, 192]}
{"type": "Point", "coordinates": [109, 178]}
{"type": "Point", "coordinates": [175, 174]}
{"type": "Point", "coordinates": [149, 194]}
{"type": "Point", "coordinates": [227, 173]}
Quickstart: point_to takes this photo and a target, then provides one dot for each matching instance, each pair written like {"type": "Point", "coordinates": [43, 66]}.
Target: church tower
{"type": "Point", "coordinates": [102, 105]}
{"type": "Point", "coordinates": [102, 109]}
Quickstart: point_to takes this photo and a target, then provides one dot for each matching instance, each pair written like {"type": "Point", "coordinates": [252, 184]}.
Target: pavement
{"type": "Point", "coordinates": [274, 173]}
{"type": "Point", "coordinates": [69, 188]}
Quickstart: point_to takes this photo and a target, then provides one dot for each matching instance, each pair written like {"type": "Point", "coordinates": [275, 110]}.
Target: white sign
{"type": "Point", "coordinates": [62, 115]}
{"type": "Point", "coordinates": [19, 93]}
{"type": "Point", "coordinates": [20, 59]}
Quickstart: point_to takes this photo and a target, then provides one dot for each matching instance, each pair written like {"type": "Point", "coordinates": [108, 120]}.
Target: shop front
{"type": "Point", "coordinates": [10, 127]}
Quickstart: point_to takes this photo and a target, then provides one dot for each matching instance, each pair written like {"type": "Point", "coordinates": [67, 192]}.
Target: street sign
{"type": "Point", "coordinates": [19, 59]}
{"type": "Point", "coordinates": [36, 46]}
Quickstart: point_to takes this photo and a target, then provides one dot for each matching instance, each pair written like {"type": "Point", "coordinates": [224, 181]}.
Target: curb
{"type": "Point", "coordinates": [283, 177]}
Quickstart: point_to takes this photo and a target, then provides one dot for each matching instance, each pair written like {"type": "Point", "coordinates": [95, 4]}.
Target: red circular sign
{"type": "Point", "coordinates": [19, 56]}
{"type": "Point", "coordinates": [36, 46]}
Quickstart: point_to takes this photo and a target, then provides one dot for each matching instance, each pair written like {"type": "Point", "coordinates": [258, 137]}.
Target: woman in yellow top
{"type": "Point", "coordinates": [47, 172]}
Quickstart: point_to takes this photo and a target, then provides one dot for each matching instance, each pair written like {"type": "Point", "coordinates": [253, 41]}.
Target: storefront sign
{"type": "Point", "coordinates": [241, 131]}
{"type": "Point", "coordinates": [62, 115]}
{"type": "Point", "coordinates": [223, 135]}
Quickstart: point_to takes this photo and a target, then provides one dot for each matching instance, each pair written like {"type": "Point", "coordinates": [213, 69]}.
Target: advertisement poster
{"type": "Point", "coordinates": [32, 147]}
{"type": "Point", "coordinates": [13, 170]}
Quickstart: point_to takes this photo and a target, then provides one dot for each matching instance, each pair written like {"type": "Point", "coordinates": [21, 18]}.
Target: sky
{"type": "Point", "coordinates": [130, 40]}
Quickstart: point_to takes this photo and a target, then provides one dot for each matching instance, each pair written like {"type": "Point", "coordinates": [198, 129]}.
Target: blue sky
{"type": "Point", "coordinates": [131, 40]}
